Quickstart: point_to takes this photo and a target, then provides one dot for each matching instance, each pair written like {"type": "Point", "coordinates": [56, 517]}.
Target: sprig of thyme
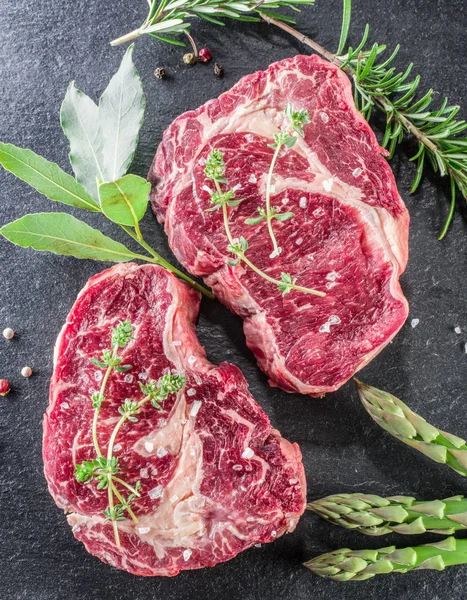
{"type": "Point", "coordinates": [378, 85]}
{"type": "Point", "coordinates": [104, 469]}
{"type": "Point", "coordinates": [285, 139]}
{"type": "Point", "coordinates": [215, 171]}
{"type": "Point", "coordinates": [173, 17]}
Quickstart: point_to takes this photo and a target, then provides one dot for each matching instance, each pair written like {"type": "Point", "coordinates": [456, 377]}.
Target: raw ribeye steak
{"type": "Point", "coordinates": [215, 477]}
{"type": "Point", "coordinates": [348, 237]}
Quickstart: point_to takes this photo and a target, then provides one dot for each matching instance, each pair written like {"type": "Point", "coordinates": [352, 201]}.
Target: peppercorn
{"type": "Point", "coordinates": [204, 55]}
{"type": "Point", "coordinates": [218, 70]}
{"type": "Point", "coordinates": [4, 387]}
{"type": "Point", "coordinates": [160, 73]}
{"type": "Point", "coordinates": [189, 58]}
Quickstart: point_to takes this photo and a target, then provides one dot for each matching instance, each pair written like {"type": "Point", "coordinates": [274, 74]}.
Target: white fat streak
{"type": "Point", "coordinates": [195, 408]}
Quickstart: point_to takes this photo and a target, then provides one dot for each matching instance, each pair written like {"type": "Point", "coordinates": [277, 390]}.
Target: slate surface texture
{"type": "Point", "coordinates": [44, 44]}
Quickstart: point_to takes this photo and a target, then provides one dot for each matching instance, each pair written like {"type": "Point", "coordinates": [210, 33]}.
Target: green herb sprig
{"type": "Point", "coordinates": [103, 140]}
{"type": "Point", "coordinates": [168, 18]}
{"type": "Point", "coordinates": [104, 469]}
{"type": "Point", "coordinates": [215, 171]}
{"type": "Point", "coordinates": [285, 139]}
{"type": "Point", "coordinates": [378, 85]}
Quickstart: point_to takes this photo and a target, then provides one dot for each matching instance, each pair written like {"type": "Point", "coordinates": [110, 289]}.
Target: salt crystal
{"type": "Point", "coordinates": [324, 116]}
{"type": "Point", "coordinates": [248, 453]}
{"type": "Point", "coordinates": [144, 473]}
{"type": "Point", "coordinates": [330, 285]}
{"type": "Point", "coordinates": [275, 253]}
{"type": "Point", "coordinates": [195, 408]}
{"type": "Point", "coordinates": [299, 241]}
{"type": "Point", "coordinates": [97, 375]}
{"type": "Point", "coordinates": [202, 161]}
{"type": "Point", "coordinates": [249, 137]}
{"type": "Point", "coordinates": [161, 451]}
{"type": "Point", "coordinates": [191, 360]}
{"type": "Point", "coordinates": [142, 376]}
{"type": "Point", "coordinates": [414, 323]}
{"type": "Point", "coordinates": [326, 327]}
{"type": "Point", "coordinates": [186, 554]}
{"type": "Point", "coordinates": [183, 421]}
{"type": "Point", "coordinates": [327, 184]}
{"type": "Point", "coordinates": [237, 467]}
{"type": "Point", "coordinates": [334, 320]}
{"type": "Point", "coordinates": [148, 446]}
{"type": "Point", "coordinates": [250, 519]}
{"type": "Point", "coordinates": [252, 178]}
{"type": "Point", "coordinates": [311, 257]}
{"type": "Point", "coordinates": [162, 422]}
{"type": "Point", "coordinates": [65, 405]}
{"type": "Point", "coordinates": [156, 492]}
{"type": "Point", "coordinates": [237, 187]}
{"type": "Point", "coordinates": [173, 499]}
{"type": "Point", "coordinates": [177, 343]}
{"type": "Point", "coordinates": [302, 202]}
{"type": "Point", "coordinates": [465, 347]}
{"type": "Point", "coordinates": [117, 447]}
{"type": "Point", "coordinates": [285, 200]}
{"type": "Point", "coordinates": [206, 189]}
{"type": "Point", "coordinates": [257, 545]}
{"type": "Point", "coordinates": [356, 172]}
{"type": "Point", "coordinates": [273, 533]}
{"type": "Point", "coordinates": [192, 451]}
{"type": "Point", "coordinates": [128, 378]}
{"type": "Point", "coordinates": [458, 330]}
{"type": "Point", "coordinates": [142, 530]}
{"type": "Point", "coordinates": [332, 276]}
{"type": "Point", "coordinates": [318, 212]}
{"type": "Point", "coordinates": [191, 392]}
{"type": "Point", "coordinates": [293, 481]}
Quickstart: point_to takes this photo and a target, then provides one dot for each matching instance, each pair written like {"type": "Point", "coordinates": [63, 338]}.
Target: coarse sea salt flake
{"type": "Point", "coordinates": [142, 376]}
{"type": "Point", "coordinates": [250, 519]}
{"type": "Point", "coordinates": [332, 276]}
{"type": "Point", "coordinates": [173, 499]}
{"type": "Point", "coordinates": [275, 253]}
{"type": "Point", "coordinates": [177, 343]}
{"type": "Point", "coordinates": [65, 405]}
{"type": "Point", "coordinates": [237, 467]}
{"type": "Point", "coordinates": [97, 375]}
{"type": "Point", "coordinates": [191, 392]}
{"type": "Point", "coordinates": [465, 347]}
{"type": "Point", "coordinates": [117, 447]}
{"type": "Point", "coordinates": [273, 533]}
{"type": "Point", "coordinates": [324, 116]}
{"type": "Point", "coordinates": [252, 178]}
{"type": "Point", "coordinates": [327, 184]}
{"type": "Point", "coordinates": [156, 492]}
{"type": "Point", "coordinates": [162, 422]}
{"type": "Point", "coordinates": [299, 241]}
{"type": "Point", "coordinates": [191, 360]}
{"type": "Point", "coordinates": [202, 161]}
{"type": "Point", "coordinates": [162, 451]}
{"type": "Point", "coordinates": [318, 212]}
{"type": "Point", "coordinates": [143, 530]}
{"type": "Point", "coordinates": [248, 453]}
{"type": "Point", "coordinates": [144, 473]}
{"type": "Point", "coordinates": [414, 323]}
{"type": "Point", "coordinates": [148, 446]}
{"type": "Point", "coordinates": [186, 554]}
{"type": "Point", "coordinates": [302, 202]}
{"type": "Point", "coordinates": [458, 330]}
{"type": "Point", "coordinates": [285, 200]}
{"type": "Point", "coordinates": [257, 545]}
{"type": "Point", "coordinates": [128, 378]}
{"type": "Point", "coordinates": [206, 189]}
{"type": "Point", "coordinates": [310, 256]}
{"type": "Point", "coordinates": [195, 408]}
{"type": "Point", "coordinates": [357, 172]}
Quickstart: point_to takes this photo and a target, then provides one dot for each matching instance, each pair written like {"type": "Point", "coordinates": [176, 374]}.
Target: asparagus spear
{"type": "Point", "coordinates": [374, 515]}
{"type": "Point", "coordinates": [358, 565]}
{"type": "Point", "coordinates": [408, 427]}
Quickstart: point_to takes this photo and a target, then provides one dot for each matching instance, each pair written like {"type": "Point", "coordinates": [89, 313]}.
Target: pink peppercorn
{"type": "Point", "coordinates": [4, 387]}
{"type": "Point", "coordinates": [204, 55]}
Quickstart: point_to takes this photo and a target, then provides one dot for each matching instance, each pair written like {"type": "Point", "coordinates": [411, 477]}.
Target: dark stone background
{"type": "Point", "coordinates": [43, 45]}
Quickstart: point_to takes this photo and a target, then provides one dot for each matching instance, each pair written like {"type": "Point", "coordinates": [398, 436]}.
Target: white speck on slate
{"type": "Point", "coordinates": [156, 492]}
{"type": "Point", "coordinates": [458, 330]}
{"type": "Point", "coordinates": [414, 323]}
{"type": "Point", "coordinates": [97, 375]}
{"type": "Point", "coordinates": [257, 545]}
{"type": "Point", "coordinates": [161, 451]}
{"type": "Point", "coordinates": [302, 202]}
{"type": "Point", "coordinates": [324, 116]}
{"type": "Point", "coordinates": [252, 178]}
{"type": "Point", "coordinates": [357, 172]}
{"type": "Point", "coordinates": [148, 446]}
{"type": "Point", "coordinates": [327, 184]}
{"type": "Point", "coordinates": [248, 453]}
{"type": "Point", "coordinates": [195, 408]}
{"type": "Point", "coordinates": [143, 530]}
{"type": "Point", "coordinates": [128, 378]}
{"type": "Point", "coordinates": [465, 347]}
{"type": "Point", "coordinates": [186, 554]}
{"type": "Point", "coordinates": [191, 392]}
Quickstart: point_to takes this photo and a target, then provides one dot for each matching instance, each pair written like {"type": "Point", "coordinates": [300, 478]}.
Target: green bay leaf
{"type": "Point", "coordinates": [121, 114]}
{"type": "Point", "coordinates": [79, 117]}
{"type": "Point", "coordinates": [125, 201]}
{"type": "Point", "coordinates": [46, 177]}
{"type": "Point", "coordinates": [61, 233]}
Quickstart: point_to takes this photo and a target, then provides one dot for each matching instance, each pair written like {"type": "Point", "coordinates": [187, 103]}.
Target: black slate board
{"type": "Point", "coordinates": [45, 44]}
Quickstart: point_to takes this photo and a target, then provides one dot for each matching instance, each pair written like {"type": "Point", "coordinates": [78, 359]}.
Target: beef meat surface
{"type": "Point", "coordinates": [349, 236]}
{"type": "Point", "coordinates": [215, 477]}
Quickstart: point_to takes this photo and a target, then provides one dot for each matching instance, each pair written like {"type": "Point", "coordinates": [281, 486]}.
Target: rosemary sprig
{"type": "Point", "coordinates": [379, 85]}
{"type": "Point", "coordinates": [173, 17]}
{"type": "Point", "coordinates": [104, 469]}
{"type": "Point", "coordinates": [285, 139]}
{"type": "Point", "coordinates": [215, 171]}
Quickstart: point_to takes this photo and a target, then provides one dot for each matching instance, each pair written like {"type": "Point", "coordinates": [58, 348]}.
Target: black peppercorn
{"type": "Point", "coordinates": [218, 70]}
{"type": "Point", "coordinates": [160, 73]}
